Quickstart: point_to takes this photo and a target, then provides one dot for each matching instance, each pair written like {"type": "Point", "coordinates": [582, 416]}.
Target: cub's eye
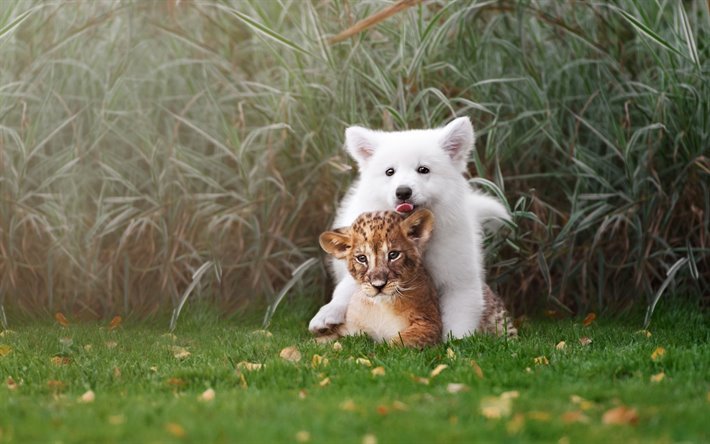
{"type": "Point", "coordinates": [392, 255]}
{"type": "Point", "coordinates": [390, 172]}
{"type": "Point", "coordinates": [423, 170]}
{"type": "Point", "coordinates": [361, 258]}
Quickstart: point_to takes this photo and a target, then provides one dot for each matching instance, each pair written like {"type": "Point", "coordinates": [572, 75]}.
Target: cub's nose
{"type": "Point", "coordinates": [403, 192]}
{"type": "Point", "coordinates": [378, 284]}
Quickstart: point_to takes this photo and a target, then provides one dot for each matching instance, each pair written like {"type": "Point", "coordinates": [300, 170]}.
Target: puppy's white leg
{"type": "Point", "coordinates": [333, 313]}
{"type": "Point", "coordinates": [461, 311]}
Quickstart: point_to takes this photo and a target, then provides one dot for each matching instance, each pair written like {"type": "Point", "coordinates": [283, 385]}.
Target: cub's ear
{"type": "Point", "coordinates": [418, 227]}
{"type": "Point", "coordinates": [336, 242]}
{"type": "Point", "coordinates": [457, 140]}
{"type": "Point", "coordinates": [360, 143]}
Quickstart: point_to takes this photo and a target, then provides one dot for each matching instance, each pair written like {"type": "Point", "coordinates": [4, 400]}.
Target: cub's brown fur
{"type": "Point", "coordinates": [397, 302]}
{"type": "Point", "coordinates": [495, 319]}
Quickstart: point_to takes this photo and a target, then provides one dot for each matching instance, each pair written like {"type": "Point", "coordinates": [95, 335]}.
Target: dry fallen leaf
{"type": "Point", "coordinates": [658, 353]}
{"type": "Point", "coordinates": [10, 383]}
{"type": "Point", "coordinates": [337, 346]}
{"type": "Point", "coordinates": [581, 402]}
{"type": "Point", "coordinates": [249, 366]}
{"type": "Point", "coordinates": [88, 397]}
{"type": "Point", "coordinates": [319, 361]}
{"type": "Point", "coordinates": [658, 377]}
{"type": "Point", "coordinates": [644, 333]}
{"type": "Point", "coordinates": [88, 347]}
{"type": "Point", "coordinates": [60, 360]}
{"type": "Point", "coordinates": [302, 394]}
{"type": "Point", "coordinates": [290, 354]}
{"type": "Point", "coordinates": [303, 436]}
{"type": "Point", "coordinates": [456, 388]}
{"type": "Point", "coordinates": [420, 380]}
{"type": "Point", "coordinates": [584, 341]}
{"type": "Point", "coordinates": [364, 361]}
{"type": "Point", "coordinates": [5, 350]}
{"type": "Point", "coordinates": [382, 410]}
{"type": "Point", "coordinates": [399, 405]}
{"type": "Point", "coordinates": [324, 382]}
{"type": "Point", "coordinates": [476, 369]}
{"type": "Point", "coordinates": [55, 385]}
{"type": "Point", "coordinates": [348, 405]}
{"type": "Point", "coordinates": [495, 407]}
{"type": "Point", "coordinates": [574, 416]}
{"type": "Point", "coordinates": [560, 345]}
{"type": "Point", "coordinates": [111, 344]}
{"type": "Point", "coordinates": [378, 371]}
{"type": "Point", "coordinates": [176, 382]}
{"type": "Point", "coordinates": [264, 333]}
{"type": "Point", "coordinates": [61, 319]}
{"type": "Point", "coordinates": [369, 439]}
{"type": "Point", "coordinates": [115, 323]}
{"type": "Point", "coordinates": [180, 352]}
{"type": "Point", "coordinates": [450, 354]}
{"type": "Point", "coordinates": [589, 319]}
{"type": "Point", "coordinates": [207, 396]}
{"type": "Point", "coordinates": [515, 424]}
{"type": "Point", "coordinates": [541, 360]}
{"type": "Point", "coordinates": [621, 415]}
{"type": "Point", "coordinates": [175, 430]}
{"type": "Point", "coordinates": [439, 368]}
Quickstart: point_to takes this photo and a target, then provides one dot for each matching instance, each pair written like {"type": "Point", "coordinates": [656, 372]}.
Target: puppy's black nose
{"type": "Point", "coordinates": [403, 192]}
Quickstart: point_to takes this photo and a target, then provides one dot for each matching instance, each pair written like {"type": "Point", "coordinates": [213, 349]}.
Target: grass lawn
{"type": "Point", "coordinates": [147, 384]}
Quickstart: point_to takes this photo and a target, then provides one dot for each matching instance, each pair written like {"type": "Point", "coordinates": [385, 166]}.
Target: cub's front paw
{"type": "Point", "coordinates": [328, 317]}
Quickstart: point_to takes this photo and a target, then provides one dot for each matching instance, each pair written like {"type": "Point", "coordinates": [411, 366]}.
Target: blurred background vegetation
{"type": "Point", "coordinates": [140, 140]}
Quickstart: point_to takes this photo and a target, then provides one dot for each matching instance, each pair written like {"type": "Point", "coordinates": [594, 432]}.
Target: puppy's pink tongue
{"type": "Point", "coordinates": [404, 208]}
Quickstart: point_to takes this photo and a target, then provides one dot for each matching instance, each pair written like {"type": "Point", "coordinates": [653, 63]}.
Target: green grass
{"type": "Point", "coordinates": [155, 389]}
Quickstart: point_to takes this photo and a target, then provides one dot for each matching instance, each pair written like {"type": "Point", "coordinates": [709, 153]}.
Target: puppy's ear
{"type": "Point", "coordinates": [457, 140]}
{"type": "Point", "coordinates": [360, 143]}
{"type": "Point", "coordinates": [418, 227]}
{"type": "Point", "coordinates": [336, 242]}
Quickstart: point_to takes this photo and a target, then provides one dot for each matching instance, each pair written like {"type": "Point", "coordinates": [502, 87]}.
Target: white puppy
{"type": "Point", "coordinates": [405, 170]}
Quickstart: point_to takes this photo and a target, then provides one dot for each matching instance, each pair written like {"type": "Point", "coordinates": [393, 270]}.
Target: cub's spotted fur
{"type": "Point", "coordinates": [396, 302]}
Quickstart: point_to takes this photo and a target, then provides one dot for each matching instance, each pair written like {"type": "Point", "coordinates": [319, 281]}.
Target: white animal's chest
{"type": "Point", "coordinates": [374, 317]}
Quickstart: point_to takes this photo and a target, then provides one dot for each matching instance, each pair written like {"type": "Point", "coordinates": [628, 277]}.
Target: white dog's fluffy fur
{"type": "Point", "coordinates": [454, 257]}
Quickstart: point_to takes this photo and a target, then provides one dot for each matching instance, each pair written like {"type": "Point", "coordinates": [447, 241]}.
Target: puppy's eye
{"type": "Point", "coordinates": [392, 255]}
{"type": "Point", "coordinates": [423, 170]}
{"type": "Point", "coordinates": [361, 258]}
{"type": "Point", "coordinates": [390, 172]}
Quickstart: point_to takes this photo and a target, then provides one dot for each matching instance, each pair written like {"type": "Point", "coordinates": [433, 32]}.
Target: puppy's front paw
{"type": "Point", "coordinates": [328, 317]}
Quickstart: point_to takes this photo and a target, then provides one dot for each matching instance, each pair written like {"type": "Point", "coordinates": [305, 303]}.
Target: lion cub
{"type": "Point", "coordinates": [397, 302]}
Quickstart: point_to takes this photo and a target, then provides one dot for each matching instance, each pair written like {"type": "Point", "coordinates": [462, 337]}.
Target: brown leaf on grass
{"type": "Point", "coordinates": [115, 323]}
{"type": "Point", "coordinates": [56, 385]}
{"type": "Point", "coordinates": [621, 415]}
{"type": "Point", "coordinates": [337, 346]}
{"type": "Point", "coordinates": [420, 380]}
{"type": "Point", "coordinates": [5, 350]}
{"type": "Point", "coordinates": [175, 430]}
{"type": "Point", "coordinates": [516, 424]}
{"type": "Point", "coordinates": [324, 382]}
{"type": "Point", "coordinates": [303, 436]}
{"type": "Point", "coordinates": [574, 416]}
{"type": "Point", "coordinates": [658, 354]}
{"type": "Point", "coordinates": [589, 319]}
{"type": "Point", "coordinates": [290, 354]}
{"type": "Point", "coordinates": [450, 354]}
{"type": "Point", "coordinates": [180, 353]}
{"type": "Point", "coordinates": [348, 405]}
{"type": "Point", "coordinates": [369, 439]}
{"type": "Point", "coordinates": [399, 405]}
{"type": "Point", "coordinates": [644, 333]}
{"type": "Point", "coordinates": [584, 341]}
{"type": "Point", "coordinates": [658, 377]}
{"type": "Point", "coordinates": [249, 366]}
{"type": "Point", "coordinates": [476, 369]}
{"type": "Point", "coordinates": [437, 371]}
{"type": "Point", "coordinates": [176, 382]}
{"type": "Point", "coordinates": [88, 397]}
{"type": "Point", "coordinates": [581, 402]}
{"type": "Point", "coordinates": [61, 319]}
{"type": "Point", "coordinates": [541, 360]}
{"type": "Point", "coordinates": [364, 361]}
{"type": "Point", "coordinates": [302, 394]}
{"type": "Point", "coordinates": [382, 410]}
{"type": "Point", "coordinates": [207, 396]}
{"type": "Point", "coordinates": [111, 344]}
{"type": "Point", "coordinates": [60, 360]}
{"type": "Point", "coordinates": [378, 371]}
{"type": "Point", "coordinates": [456, 388]}
{"type": "Point", "coordinates": [10, 383]}
{"type": "Point", "coordinates": [561, 345]}
{"type": "Point", "coordinates": [319, 361]}
{"type": "Point", "coordinates": [495, 407]}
